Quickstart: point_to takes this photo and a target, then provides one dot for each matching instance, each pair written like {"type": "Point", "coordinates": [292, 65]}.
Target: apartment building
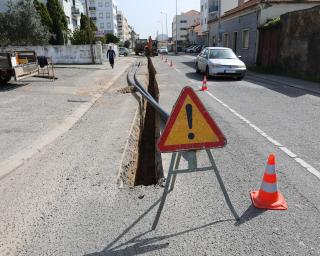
{"type": "Point", "coordinates": [72, 9]}
{"type": "Point", "coordinates": [180, 25]}
{"type": "Point", "coordinates": [76, 10]}
{"type": "Point", "coordinates": [210, 11]}
{"type": "Point", "coordinates": [103, 13]}
{"type": "Point", "coordinates": [124, 30]}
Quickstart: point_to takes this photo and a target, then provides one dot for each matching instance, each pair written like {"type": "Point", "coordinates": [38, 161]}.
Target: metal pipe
{"type": "Point", "coordinates": [135, 82]}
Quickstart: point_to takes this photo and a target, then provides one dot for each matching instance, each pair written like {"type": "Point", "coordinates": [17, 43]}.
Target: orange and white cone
{"type": "Point", "coordinates": [268, 196]}
{"type": "Point", "coordinates": [166, 60]}
{"type": "Point", "coordinates": [204, 84]}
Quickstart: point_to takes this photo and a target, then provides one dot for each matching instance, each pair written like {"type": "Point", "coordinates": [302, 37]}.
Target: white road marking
{"type": "Point", "coordinates": [288, 152]}
{"type": "Point", "coordinates": [189, 57]}
{"type": "Point", "coordinates": [18, 159]}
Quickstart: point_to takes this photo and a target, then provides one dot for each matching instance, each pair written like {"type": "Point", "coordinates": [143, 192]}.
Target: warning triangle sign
{"type": "Point", "coordinates": [190, 126]}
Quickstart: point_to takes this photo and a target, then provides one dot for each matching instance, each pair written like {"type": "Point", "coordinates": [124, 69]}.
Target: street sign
{"type": "Point", "coordinates": [190, 126]}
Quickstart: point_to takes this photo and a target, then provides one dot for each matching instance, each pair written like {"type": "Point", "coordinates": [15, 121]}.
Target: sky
{"type": "Point", "coordinates": [145, 15]}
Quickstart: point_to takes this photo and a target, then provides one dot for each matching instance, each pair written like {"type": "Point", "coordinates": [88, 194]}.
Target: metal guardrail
{"type": "Point", "coordinates": [132, 80]}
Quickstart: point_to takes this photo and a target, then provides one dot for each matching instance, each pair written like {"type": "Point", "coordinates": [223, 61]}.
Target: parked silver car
{"type": "Point", "coordinates": [163, 50]}
{"type": "Point", "coordinates": [123, 51]}
{"type": "Point", "coordinates": [220, 61]}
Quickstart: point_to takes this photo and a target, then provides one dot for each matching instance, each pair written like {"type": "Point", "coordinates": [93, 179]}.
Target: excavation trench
{"type": "Point", "coordinates": [142, 164]}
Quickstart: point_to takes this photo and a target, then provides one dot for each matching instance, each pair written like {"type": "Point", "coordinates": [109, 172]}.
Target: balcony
{"type": "Point", "coordinates": [75, 11]}
{"type": "Point", "coordinates": [213, 9]}
{"type": "Point", "coordinates": [92, 8]}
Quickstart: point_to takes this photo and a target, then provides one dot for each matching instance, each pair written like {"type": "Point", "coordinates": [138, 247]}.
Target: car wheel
{"type": "Point", "coordinates": [239, 78]}
{"type": "Point", "coordinates": [5, 77]}
{"type": "Point", "coordinates": [198, 71]}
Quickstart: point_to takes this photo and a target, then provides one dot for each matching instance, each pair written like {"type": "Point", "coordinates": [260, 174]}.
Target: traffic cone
{"type": "Point", "coordinates": [204, 84]}
{"type": "Point", "coordinates": [171, 64]}
{"type": "Point", "coordinates": [166, 60]}
{"type": "Point", "coordinates": [268, 196]}
{"type": "Point", "coordinates": [161, 56]}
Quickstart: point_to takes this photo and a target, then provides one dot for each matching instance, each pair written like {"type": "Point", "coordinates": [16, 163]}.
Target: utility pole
{"type": "Point", "coordinates": [89, 32]}
{"type": "Point", "coordinates": [219, 26]}
{"type": "Point", "coordinates": [177, 27]}
{"type": "Point", "coordinates": [166, 26]}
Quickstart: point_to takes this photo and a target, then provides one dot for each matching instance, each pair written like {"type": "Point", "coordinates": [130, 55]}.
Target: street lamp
{"type": "Point", "coordinates": [166, 25]}
{"type": "Point", "coordinates": [161, 28]}
{"type": "Point", "coordinates": [176, 26]}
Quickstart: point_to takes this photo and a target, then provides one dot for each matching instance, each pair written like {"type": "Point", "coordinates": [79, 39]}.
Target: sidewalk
{"type": "Point", "coordinates": [287, 81]}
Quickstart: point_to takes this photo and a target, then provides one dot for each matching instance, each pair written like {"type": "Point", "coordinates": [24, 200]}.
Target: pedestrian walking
{"type": "Point", "coordinates": [111, 55]}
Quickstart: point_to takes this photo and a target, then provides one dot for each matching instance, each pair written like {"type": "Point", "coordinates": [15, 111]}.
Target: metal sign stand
{"type": "Point", "coordinates": [173, 171]}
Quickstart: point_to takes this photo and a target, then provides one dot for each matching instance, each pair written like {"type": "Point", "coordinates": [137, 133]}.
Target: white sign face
{"type": "Point", "coordinates": [14, 61]}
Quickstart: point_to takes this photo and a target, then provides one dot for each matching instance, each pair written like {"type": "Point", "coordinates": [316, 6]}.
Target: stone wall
{"type": "Point", "coordinates": [67, 54]}
{"type": "Point", "coordinates": [300, 43]}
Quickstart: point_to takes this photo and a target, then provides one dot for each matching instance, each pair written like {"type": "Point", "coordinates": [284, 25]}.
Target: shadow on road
{"type": "Point", "coordinates": [11, 87]}
{"type": "Point", "coordinates": [136, 245]}
{"type": "Point", "coordinates": [280, 87]}
{"type": "Point", "coordinates": [249, 214]}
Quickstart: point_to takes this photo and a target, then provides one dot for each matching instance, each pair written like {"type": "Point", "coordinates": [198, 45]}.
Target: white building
{"type": "Point", "coordinates": [104, 15]}
{"type": "Point", "coordinates": [76, 11]}
{"type": "Point", "coordinates": [124, 30]}
{"type": "Point", "coordinates": [209, 9]}
{"type": "Point", "coordinates": [183, 22]}
{"type": "Point", "coordinates": [72, 9]}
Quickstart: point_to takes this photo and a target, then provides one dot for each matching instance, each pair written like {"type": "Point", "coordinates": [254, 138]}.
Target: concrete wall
{"type": "Point", "coordinates": [238, 24]}
{"type": "Point", "coordinates": [68, 54]}
{"type": "Point", "coordinates": [300, 43]}
{"type": "Point", "coordinates": [275, 10]}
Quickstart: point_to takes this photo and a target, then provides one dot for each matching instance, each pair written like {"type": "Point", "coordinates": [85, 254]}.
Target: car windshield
{"type": "Point", "coordinates": [222, 54]}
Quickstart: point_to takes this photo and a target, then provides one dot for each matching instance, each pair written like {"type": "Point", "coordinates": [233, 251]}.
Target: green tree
{"type": "Point", "coordinates": [21, 25]}
{"type": "Point", "coordinates": [59, 27]}
{"type": "Point", "coordinates": [86, 34]}
{"type": "Point", "coordinates": [127, 44]}
{"type": "Point", "coordinates": [110, 38]}
{"type": "Point", "coordinates": [44, 14]}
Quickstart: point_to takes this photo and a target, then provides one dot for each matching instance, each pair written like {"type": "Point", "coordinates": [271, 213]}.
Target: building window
{"type": "Point", "coordinates": [235, 41]}
{"type": "Point", "coordinates": [101, 15]}
{"type": "Point", "coordinates": [183, 29]}
{"type": "Point", "coordinates": [92, 2]}
{"type": "Point", "coordinates": [225, 40]}
{"type": "Point", "coordinates": [100, 4]}
{"type": "Point", "coordinates": [201, 8]}
{"type": "Point", "coordinates": [108, 15]}
{"type": "Point", "coordinates": [108, 25]}
{"type": "Point", "coordinates": [205, 20]}
{"type": "Point", "coordinates": [183, 21]}
{"type": "Point", "coordinates": [245, 39]}
{"type": "Point", "coordinates": [101, 25]}
{"type": "Point", "coordinates": [107, 4]}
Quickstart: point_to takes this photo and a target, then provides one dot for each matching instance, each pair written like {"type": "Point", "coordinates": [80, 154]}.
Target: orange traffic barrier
{"type": "Point", "coordinates": [204, 84]}
{"type": "Point", "coordinates": [268, 196]}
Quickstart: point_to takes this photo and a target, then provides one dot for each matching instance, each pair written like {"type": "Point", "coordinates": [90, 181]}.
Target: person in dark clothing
{"type": "Point", "coordinates": [111, 56]}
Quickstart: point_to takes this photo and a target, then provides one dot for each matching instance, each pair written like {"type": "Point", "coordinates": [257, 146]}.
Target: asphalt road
{"type": "Point", "coordinates": [65, 201]}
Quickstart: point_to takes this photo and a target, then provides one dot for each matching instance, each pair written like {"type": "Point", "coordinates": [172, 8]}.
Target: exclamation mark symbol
{"type": "Point", "coordinates": [189, 118]}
